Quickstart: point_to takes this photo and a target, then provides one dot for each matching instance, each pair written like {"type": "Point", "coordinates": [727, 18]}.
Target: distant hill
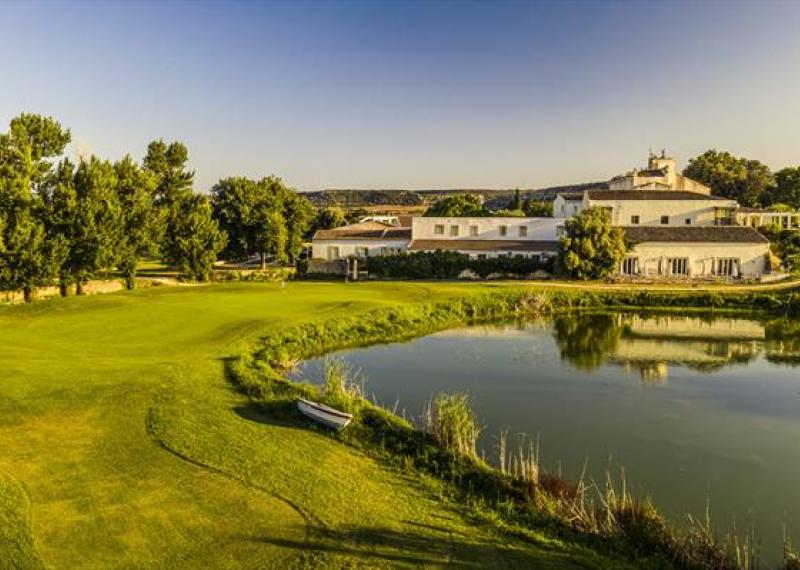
{"type": "Point", "coordinates": [495, 199]}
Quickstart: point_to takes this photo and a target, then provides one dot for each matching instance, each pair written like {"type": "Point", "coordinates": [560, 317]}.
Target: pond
{"type": "Point", "coordinates": [696, 410]}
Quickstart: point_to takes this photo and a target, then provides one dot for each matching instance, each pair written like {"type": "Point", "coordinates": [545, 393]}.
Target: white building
{"type": "Point", "coordinates": [360, 240]}
{"type": "Point", "coordinates": [661, 174]}
{"type": "Point", "coordinates": [695, 252]}
{"type": "Point", "coordinates": [483, 237]}
{"type": "Point", "coordinates": [477, 237]}
{"type": "Point", "coordinates": [675, 227]}
{"type": "Point", "coordinates": [653, 207]}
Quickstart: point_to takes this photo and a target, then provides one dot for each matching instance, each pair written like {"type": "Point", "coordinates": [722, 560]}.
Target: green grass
{"type": "Point", "coordinates": [123, 445]}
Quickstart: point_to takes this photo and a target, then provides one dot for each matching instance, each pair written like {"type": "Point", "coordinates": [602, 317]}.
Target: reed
{"type": "Point", "coordinates": [344, 384]}
{"type": "Point", "coordinates": [453, 425]}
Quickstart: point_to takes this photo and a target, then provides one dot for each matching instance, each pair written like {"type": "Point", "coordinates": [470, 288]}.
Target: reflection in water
{"type": "Point", "coordinates": [650, 344]}
{"type": "Point", "coordinates": [588, 340]}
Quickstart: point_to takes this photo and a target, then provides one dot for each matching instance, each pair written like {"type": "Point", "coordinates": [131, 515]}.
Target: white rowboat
{"type": "Point", "coordinates": [325, 415]}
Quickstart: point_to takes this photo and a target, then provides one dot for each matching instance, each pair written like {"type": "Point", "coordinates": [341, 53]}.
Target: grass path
{"type": "Point", "coordinates": [124, 446]}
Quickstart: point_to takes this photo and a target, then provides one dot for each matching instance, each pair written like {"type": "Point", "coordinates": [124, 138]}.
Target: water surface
{"type": "Point", "coordinates": [694, 409]}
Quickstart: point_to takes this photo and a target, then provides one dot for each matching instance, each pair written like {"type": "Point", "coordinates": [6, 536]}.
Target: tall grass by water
{"type": "Point", "coordinates": [451, 421]}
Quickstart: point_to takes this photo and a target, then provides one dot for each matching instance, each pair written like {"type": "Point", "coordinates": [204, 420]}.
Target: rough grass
{"type": "Point", "coordinates": [118, 421]}
{"type": "Point", "coordinates": [18, 550]}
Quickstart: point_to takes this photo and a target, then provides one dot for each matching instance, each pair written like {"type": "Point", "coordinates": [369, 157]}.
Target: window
{"type": "Point", "coordinates": [664, 220]}
{"type": "Point", "coordinates": [453, 230]}
{"type": "Point", "coordinates": [503, 231]}
{"type": "Point", "coordinates": [481, 256]}
{"type": "Point", "coordinates": [438, 229]}
{"type": "Point", "coordinates": [688, 221]}
{"type": "Point", "coordinates": [728, 267]}
{"type": "Point", "coordinates": [634, 220]}
{"type": "Point", "coordinates": [473, 231]}
{"type": "Point", "coordinates": [630, 266]}
{"type": "Point", "coordinates": [678, 266]}
{"type": "Point", "coordinates": [333, 252]}
{"type": "Point", "coordinates": [523, 231]}
{"type": "Point", "coordinates": [362, 251]}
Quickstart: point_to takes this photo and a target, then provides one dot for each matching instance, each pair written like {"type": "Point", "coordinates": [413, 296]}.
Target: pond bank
{"type": "Point", "coordinates": [638, 533]}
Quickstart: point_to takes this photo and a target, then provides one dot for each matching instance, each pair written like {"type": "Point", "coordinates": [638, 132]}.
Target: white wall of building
{"type": "Point", "coordinates": [355, 248]}
{"type": "Point", "coordinates": [702, 258]}
{"type": "Point", "coordinates": [698, 212]}
{"type": "Point", "coordinates": [564, 208]}
{"type": "Point", "coordinates": [535, 229]}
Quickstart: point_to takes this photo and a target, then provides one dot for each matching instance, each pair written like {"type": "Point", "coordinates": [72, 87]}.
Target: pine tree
{"type": "Point", "coordinates": [194, 240]}
{"type": "Point", "coordinates": [30, 255]}
{"type": "Point", "coordinates": [140, 221]}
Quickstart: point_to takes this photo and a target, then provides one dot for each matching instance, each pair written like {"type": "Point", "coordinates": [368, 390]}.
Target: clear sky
{"type": "Point", "coordinates": [411, 94]}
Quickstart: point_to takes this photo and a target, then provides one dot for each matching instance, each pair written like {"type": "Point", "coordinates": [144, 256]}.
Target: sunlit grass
{"type": "Point", "coordinates": [117, 421]}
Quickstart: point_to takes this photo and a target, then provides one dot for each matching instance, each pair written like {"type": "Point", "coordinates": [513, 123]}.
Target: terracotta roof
{"type": "Point", "coordinates": [405, 220]}
{"type": "Point", "coordinates": [650, 195]}
{"type": "Point", "coordinates": [481, 245]}
{"type": "Point", "coordinates": [700, 234]}
{"type": "Point", "coordinates": [367, 230]}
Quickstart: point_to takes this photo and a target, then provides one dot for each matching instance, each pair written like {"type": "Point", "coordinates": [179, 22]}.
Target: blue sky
{"type": "Point", "coordinates": [411, 94]}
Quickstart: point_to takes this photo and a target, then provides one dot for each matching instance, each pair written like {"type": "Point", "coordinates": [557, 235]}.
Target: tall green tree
{"type": "Point", "coordinates": [538, 208]}
{"type": "Point", "coordinates": [239, 206]}
{"type": "Point", "coordinates": [591, 247]}
{"type": "Point", "coordinates": [96, 233]}
{"type": "Point", "coordinates": [458, 206]}
{"type": "Point", "coordinates": [168, 163]}
{"type": "Point", "coordinates": [787, 190]}
{"type": "Point", "coordinates": [30, 256]}
{"type": "Point", "coordinates": [516, 201]}
{"type": "Point", "coordinates": [140, 220]}
{"type": "Point", "coordinates": [747, 181]}
{"type": "Point", "coordinates": [60, 203]}
{"type": "Point", "coordinates": [330, 218]}
{"type": "Point", "coordinates": [298, 213]}
{"type": "Point", "coordinates": [272, 236]}
{"type": "Point", "coordinates": [194, 239]}
{"type": "Point", "coordinates": [262, 218]}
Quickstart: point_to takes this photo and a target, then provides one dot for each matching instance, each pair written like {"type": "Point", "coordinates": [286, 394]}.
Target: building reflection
{"type": "Point", "coordinates": [651, 345]}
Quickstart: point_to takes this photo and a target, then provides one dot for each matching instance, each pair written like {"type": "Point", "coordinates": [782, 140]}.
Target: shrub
{"type": "Point", "coordinates": [449, 264]}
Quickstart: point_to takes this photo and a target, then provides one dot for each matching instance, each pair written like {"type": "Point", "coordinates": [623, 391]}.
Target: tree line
{"type": "Point", "coordinates": [63, 222]}
{"type": "Point", "coordinates": [748, 181]}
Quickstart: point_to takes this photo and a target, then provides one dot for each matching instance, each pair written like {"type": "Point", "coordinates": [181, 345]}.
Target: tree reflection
{"type": "Point", "coordinates": [783, 341]}
{"type": "Point", "coordinates": [586, 341]}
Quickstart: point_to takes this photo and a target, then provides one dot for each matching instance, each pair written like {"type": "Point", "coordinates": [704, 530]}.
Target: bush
{"type": "Point", "coordinates": [449, 264]}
